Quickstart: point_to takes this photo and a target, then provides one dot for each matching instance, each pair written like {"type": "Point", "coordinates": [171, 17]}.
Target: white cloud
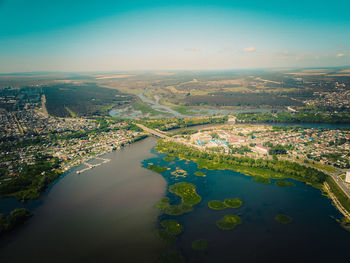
{"type": "Point", "coordinates": [193, 49]}
{"type": "Point", "coordinates": [339, 55]}
{"type": "Point", "coordinates": [249, 49]}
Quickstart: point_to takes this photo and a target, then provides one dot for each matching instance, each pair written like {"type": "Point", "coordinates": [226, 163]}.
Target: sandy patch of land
{"type": "Point", "coordinates": [118, 76]}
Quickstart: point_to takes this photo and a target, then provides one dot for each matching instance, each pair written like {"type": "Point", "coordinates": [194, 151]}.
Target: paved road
{"type": "Point", "coordinates": [335, 176]}
{"type": "Point", "coordinates": [154, 132]}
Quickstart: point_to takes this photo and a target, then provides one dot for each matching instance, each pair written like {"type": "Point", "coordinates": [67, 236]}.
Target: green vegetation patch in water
{"type": "Point", "coordinates": [189, 197]}
{"type": "Point", "coordinates": [200, 173]}
{"type": "Point", "coordinates": [157, 168]}
{"type": "Point", "coordinates": [169, 158]}
{"type": "Point", "coordinates": [283, 219]}
{"type": "Point", "coordinates": [200, 244]}
{"type": "Point", "coordinates": [187, 192]}
{"type": "Point", "coordinates": [217, 205]}
{"type": "Point", "coordinates": [229, 222]}
{"type": "Point", "coordinates": [17, 216]}
{"type": "Point", "coordinates": [233, 203]}
{"type": "Point", "coordinates": [179, 172]}
{"type": "Point", "coordinates": [171, 228]}
{"type": "Point", "coordinates": [284, 183]}
{"type": "Point", "coordinates": [261, 180]}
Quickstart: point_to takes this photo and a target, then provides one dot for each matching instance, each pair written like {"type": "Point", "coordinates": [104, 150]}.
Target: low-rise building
{"type": "Point", "coordinates": [347, 177]}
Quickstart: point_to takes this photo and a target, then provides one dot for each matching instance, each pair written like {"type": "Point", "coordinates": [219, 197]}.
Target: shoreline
{"type": "Point", "coordinates": [336, 202]}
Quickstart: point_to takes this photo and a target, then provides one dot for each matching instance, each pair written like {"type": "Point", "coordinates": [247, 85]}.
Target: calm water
{"type": "Point", "coordinates": [313, 236]}
{"type": "Point", "coordinates": [107, 214]}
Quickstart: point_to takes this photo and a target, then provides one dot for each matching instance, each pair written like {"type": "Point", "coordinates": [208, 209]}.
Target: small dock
{"type": "Point", "coordinates": [90, 166]}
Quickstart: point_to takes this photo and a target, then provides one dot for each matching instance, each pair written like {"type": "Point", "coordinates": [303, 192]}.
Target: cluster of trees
{"type": "Point", "coordinates": [184, 132]}
{"type": "Point", "coordinates": [174, 123]}
{"type": "Point", "coordinates": [278, 150]}
{"type": "Point", "coordinates": [16, 217]}
{"type": "Point", "coordinates": [301, 117]}
{"type": "Point", "coordinates": [251, 99]}
{"type": "Point", "coordinates": [31, 179]}
{"type": "Point", "coordinates": [270, 168]}
{"type": "Point", "coordinates": [83, 100]}
{"type": "Point", "coordinates": [240, 150]}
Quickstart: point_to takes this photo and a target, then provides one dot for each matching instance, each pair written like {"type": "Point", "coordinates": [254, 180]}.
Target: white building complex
{"type": "Point", "coordinates": [347, 177]}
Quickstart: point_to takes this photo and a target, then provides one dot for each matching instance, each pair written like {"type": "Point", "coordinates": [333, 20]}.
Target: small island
{"type": "Point", "coordinates": [217, 205]}
{"type": "Point", "coordinates": [189, 198]}
{"type": "Point", "coordinates": [229, 222]}
{"type": "Point", "coordinates": [200, 244]}
{"type": "Point", "coordinates": [227, 203]}
{"type": "Point", "coordinates": [171, 228]}
{"type": "Point", "coordinates": [200, 173]}
{"type": "Point", "coordinates": [179, 173]}
{"type": "Point", "coordinates": [17, 216]}
{"type": "Point", "coordinates": [157, 168]}
{"type": "Point", "coordinates": [283, 219]}
{"type": "Point", "coordinates": [261, 180]}
{"type": "Point", "coordinates": [233, 203]}
{"type": "Point", "coordinates": [169, 158]}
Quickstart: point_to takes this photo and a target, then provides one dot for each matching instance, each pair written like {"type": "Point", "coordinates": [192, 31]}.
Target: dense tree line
{"type": "Point", "coordinates": [174, 123]}
{"type": "Point", "coordinates": [241, 99]}
{"type": "Point", "coordinates": [83, 100]}
{"type": "Point", "coordinates": [273, 168]}
{"type": "Point", "coordinates": [31, 180]}
{"type": "Point", "coordinates": [301, 117]}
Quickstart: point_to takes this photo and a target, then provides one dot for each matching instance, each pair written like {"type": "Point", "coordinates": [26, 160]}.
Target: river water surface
{"type": "Point", "coordinates": [106, 214]}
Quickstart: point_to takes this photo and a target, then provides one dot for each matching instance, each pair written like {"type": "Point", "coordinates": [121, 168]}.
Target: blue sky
{"type": "Point", "coordinates": [110, 35]}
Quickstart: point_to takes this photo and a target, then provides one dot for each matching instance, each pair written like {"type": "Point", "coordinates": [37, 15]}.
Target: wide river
{"type": "Point", "coordinates": [108, 214]}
